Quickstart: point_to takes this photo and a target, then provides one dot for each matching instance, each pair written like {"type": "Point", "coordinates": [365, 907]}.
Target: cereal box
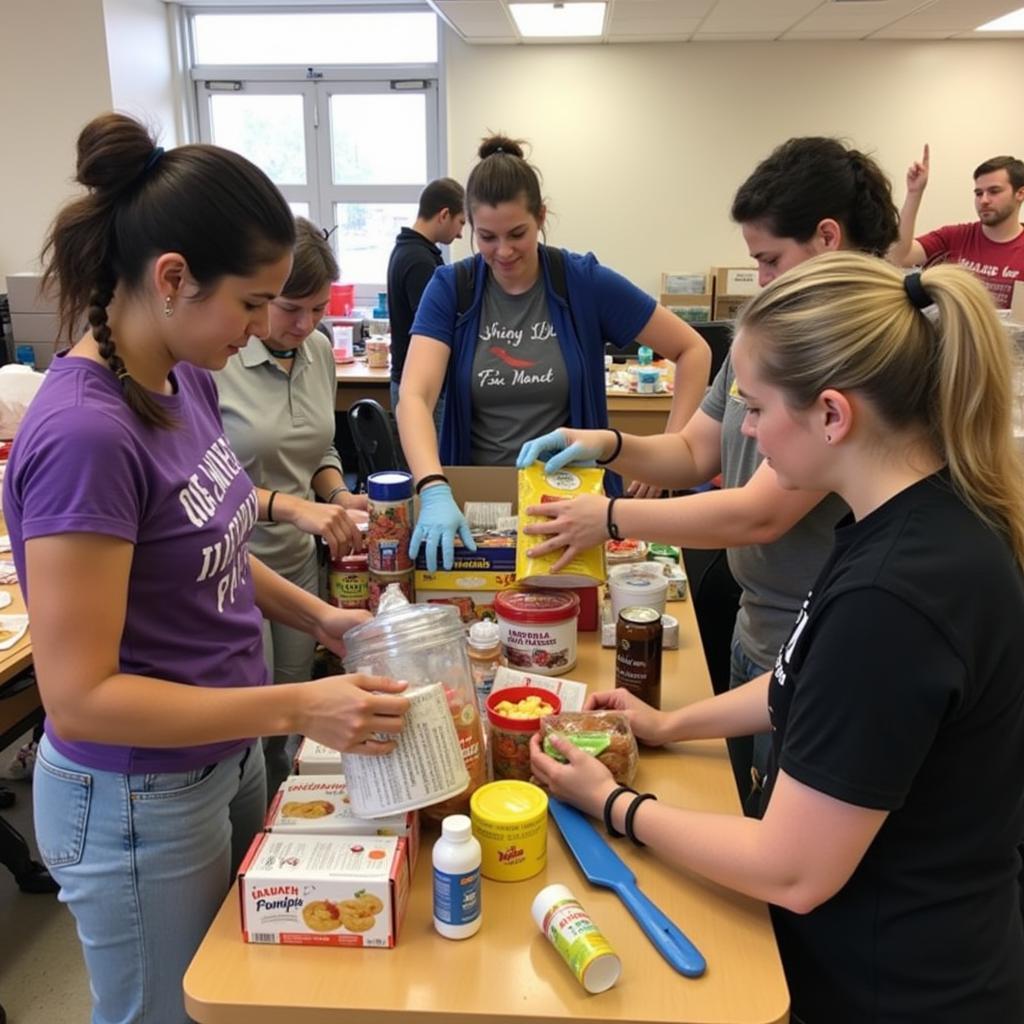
{"type": "Point", "coordinates": [319, 805]}
{"type": "Point", "coordinates": [314, 758]}
{"type": "Point", "coordinates": [324, 890]}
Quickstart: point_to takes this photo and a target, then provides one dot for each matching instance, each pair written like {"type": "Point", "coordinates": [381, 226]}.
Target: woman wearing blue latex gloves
{"type": "Point", "coordinates": [810, 196]}
{"type": "Point", "coordinates": [520, 343]}
{"type": "Point", "coordinates": [892, 804]}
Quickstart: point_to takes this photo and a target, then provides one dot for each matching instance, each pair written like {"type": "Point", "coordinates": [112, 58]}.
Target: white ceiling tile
{"type": "Point", "coordinates": [734, 37]}
{"type": "Point", "coordinates": [756, 16]}
{"type": "Point", "coordinates": [473, 18]}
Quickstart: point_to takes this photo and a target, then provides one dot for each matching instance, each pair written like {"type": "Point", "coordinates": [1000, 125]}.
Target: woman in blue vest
{"type": "Point", "coordinates": [525, 351]}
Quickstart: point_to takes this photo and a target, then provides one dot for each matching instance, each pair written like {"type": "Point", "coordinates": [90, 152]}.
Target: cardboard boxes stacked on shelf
{"type": "Point", "coordinates": [34, 319]}
{"type": "Point", "coordinates": [717, 295]}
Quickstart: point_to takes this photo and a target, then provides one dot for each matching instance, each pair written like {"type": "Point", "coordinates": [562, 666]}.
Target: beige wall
{"type": "Point", "coordinates": [64, 62]}
{"type": "Point", "coordinates": [53, 77]}
{"type": "Point", "coordinates": [643, 146]}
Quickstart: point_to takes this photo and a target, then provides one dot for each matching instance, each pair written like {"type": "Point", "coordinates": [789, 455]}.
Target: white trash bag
{"type": "Point", "coordinates": [18, 386]}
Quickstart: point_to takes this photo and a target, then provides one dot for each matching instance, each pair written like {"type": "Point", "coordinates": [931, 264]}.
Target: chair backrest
{"type": "Point", "coordinates": [718, 335]}
{"type": "Point", "coordinates": [374, 440]}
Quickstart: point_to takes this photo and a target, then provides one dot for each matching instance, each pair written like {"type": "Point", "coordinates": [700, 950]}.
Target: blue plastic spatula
{"type": "Point", "coordinates": [603, 866]}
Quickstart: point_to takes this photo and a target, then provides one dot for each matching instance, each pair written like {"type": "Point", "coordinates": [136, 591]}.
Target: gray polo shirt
{"type": "Point", "coordinates": [775, 577]}
{"type": "Point", "coordinates": [281, 427]}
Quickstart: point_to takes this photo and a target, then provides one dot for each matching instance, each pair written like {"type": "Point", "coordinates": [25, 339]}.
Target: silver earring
{"type": "Point", "coordinates": [168, 307]}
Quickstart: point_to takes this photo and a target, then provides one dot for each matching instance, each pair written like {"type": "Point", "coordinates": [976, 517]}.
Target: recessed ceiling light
{"type": "Point", "coordinates": [559, 19]}
{"type": "Point", "coordinates": [1012, 22]}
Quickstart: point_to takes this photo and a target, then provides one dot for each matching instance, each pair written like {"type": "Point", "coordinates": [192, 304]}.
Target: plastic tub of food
{"type": "Point", "coordinates": [514, 715]}
{"type": "Point", "coordinates": [510, 821]}
{"type": "Point", "coordinates": [538, 629]}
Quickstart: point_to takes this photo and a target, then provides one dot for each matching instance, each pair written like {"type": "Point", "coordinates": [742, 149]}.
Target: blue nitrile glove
{"type": "Point", "coordinates": [577, 453]}
{"type": "Point", "coordinates": [439, 521]}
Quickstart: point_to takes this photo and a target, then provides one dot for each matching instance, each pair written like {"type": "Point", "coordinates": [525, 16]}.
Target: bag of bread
{"type": "Point", "coordinates": [604, 734]}
{"type": "Point", "coordinates": [538, 488]}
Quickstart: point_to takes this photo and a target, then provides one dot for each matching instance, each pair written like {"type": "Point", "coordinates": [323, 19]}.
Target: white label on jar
{"type": "Point", "coordinates": [544, 648]}
{"type": "Point", "coordinates": [427, 765]}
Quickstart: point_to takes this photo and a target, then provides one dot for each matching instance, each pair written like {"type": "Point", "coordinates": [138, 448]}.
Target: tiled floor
{"type": "Point", "coordinates": [42, 976]}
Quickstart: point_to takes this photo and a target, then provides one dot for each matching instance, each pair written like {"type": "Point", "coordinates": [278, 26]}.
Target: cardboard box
{"type": "Point", "coordinates": [728, 306]}
{"type": "Point", "coordinates": [24, 294]}
{"type": "Point", "coordinates": [319, 805]}
{"type": "Point", "coordinates": [495, 555]}
{"type": "Point", "coordinates": [471, 591]}
{"type": "Point", "coordinates": [324, 890]}
{"type": "Point", "coordinates": [735, 281]}
{"type": "Point", "coordinates": [314, 758]}
{"type": "Point", "coordinates": [483, 483]}
{"type": "Point", "coordinates": [683, 282]}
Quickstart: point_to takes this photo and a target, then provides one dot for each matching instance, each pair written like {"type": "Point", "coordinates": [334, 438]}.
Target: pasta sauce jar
{"type": "Point", "coordinates": [349, 581]}
{"type": "Point", "coordinates": [538, 629]}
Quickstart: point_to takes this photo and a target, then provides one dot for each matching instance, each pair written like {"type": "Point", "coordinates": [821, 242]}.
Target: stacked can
{"type": "Point", "coordinates": [389, 534]}
{"type": "Point", "coordinates": [349, 581]}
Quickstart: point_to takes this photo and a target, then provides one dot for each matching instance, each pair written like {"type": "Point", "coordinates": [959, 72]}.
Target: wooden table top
{"type": "Point", "coordinates": [508, 973]}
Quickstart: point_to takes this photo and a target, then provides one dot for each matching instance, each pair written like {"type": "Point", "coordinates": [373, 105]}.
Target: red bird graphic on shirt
{"type": "Point", "coordinates": [509, 360]}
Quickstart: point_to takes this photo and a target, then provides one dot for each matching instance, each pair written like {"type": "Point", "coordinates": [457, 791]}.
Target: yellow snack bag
{"type": "Point", "coordinates": [537, 488]}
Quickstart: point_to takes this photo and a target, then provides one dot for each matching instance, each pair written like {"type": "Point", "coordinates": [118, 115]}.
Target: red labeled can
{"type": "Point", "coordinates": [638, 653]}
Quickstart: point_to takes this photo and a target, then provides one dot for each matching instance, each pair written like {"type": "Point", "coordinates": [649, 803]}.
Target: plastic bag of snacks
{"type": "Point", "coordinates": [604, 734]}
{"type": "Point", "coordinates": [538, 488]}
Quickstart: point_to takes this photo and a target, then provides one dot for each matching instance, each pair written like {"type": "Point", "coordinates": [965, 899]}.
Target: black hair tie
{"type": "Point", "coordinates": [153, 159]}
{"type": "Point", "coordinates": [916, 291]}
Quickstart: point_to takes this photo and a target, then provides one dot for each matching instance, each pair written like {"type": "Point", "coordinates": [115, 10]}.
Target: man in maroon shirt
{"type": "Point", "coordinates": [992, 247]}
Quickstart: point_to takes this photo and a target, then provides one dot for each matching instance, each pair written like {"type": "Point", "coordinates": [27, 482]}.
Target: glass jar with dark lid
{"type": "Point", "coordinates": [638, 653]}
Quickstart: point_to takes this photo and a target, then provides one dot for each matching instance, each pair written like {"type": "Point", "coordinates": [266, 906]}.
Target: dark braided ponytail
{"type": "Point", "coordinates": [219, 211]}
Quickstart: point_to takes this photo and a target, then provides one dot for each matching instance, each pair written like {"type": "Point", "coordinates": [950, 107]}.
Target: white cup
{"type": "Point", "coordinates": [641, 584]}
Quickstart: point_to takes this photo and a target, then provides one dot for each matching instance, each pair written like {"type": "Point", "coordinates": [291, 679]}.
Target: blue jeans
{"type": "Point", "coordinates": [144, 862]}
{"type": "Point", "coordinates": [748, 754]}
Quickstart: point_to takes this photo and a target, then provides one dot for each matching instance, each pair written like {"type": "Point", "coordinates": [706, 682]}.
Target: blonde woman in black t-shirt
{"type": "Point", "coordinates": [893, 807]}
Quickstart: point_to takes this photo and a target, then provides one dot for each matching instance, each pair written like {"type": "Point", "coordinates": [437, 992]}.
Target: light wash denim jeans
{"type": "Point", "coordinates": [748, 754]}
{"type": "Point", "coordinates": [144, 863]}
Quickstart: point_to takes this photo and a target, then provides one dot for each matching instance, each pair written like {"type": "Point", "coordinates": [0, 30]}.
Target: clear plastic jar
{"type": "Point", "coordinates": [425, 644]}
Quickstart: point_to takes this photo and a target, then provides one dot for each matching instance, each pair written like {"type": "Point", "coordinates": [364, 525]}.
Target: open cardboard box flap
{"type": "Point", "coordinates": [482, 483]}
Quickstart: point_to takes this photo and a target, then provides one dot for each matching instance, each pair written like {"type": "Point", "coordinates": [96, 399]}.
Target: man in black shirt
{"type": "Point", "coordinates": [415, 257]}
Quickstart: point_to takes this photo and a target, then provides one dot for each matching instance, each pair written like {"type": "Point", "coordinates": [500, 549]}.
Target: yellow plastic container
{"type": "Point", "coordinates": [510, 820]}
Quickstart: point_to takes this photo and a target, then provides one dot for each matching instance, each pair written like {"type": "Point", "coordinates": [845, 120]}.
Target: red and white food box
{"type": "Point", "coordinates": [319, 805]}
{"type": "Point", "coordinates": [314, 758]}
{"type": "Point", "coordinates": [324, 890]}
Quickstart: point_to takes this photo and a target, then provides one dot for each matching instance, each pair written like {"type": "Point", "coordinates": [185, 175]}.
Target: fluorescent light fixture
{"type": "Point", "coordinates": [559, 19]}
{"type": "Point", "coordinates": [1012, 22]}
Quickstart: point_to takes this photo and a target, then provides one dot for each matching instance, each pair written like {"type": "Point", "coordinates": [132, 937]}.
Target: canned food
{"type": "Point", "coordinates": [514, 715]}
{"type": "Point", "coordinates": [638, 653]}
{"type": "Point", "coordinates": [510, 820]}
{"type": "Point", "coordinates": [390, 521]}
{"type": "Point", "coordinates": [538, 629]}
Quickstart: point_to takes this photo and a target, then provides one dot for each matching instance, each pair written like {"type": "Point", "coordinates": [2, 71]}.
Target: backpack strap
{"type": "Point", "coordinates": [556, 269]}
{"type": "Point", "coordinates": [464, 286]}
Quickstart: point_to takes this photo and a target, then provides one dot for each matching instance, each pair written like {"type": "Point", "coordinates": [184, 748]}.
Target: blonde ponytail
{"type": "Point", "coordinates": [846, 321]}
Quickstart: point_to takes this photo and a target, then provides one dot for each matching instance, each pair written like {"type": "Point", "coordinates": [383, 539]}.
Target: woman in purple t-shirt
{"type": "Point", "coordinates": [129, 517]}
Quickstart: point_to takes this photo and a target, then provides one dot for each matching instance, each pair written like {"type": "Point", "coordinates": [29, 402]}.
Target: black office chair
{"type": "Point", "coordinates": [718, 335]}
{"type": "Point", "coordinates": [374, 439]}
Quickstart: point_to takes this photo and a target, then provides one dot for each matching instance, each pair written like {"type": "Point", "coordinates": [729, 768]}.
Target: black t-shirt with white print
{"type": "Point", "coordinates": [520, 387]}
{"type": "Point", "coordinates": [902, 688]}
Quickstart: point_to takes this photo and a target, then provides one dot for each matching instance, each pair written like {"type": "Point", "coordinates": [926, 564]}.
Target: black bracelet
{"type": "Point", "coordinates": [317, 472]}
{"type": "Point", "coordinates": [631, 814]}
{"type": "Point", "coordinates": [613, 530]}
{"type": "Point", "coordinates": [615, 452]}
{"type": "Point", "coordinates": [607, 813]}
{"type": "Point", "coordinates": [270, 506]}
{"type": "Point", "coordinates": [429, 479]}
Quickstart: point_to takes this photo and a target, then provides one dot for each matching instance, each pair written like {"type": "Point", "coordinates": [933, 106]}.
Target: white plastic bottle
{"type": "Point", "coordinates": [484, 648]}
{"type": "Point", "coordinates": [456, 860]}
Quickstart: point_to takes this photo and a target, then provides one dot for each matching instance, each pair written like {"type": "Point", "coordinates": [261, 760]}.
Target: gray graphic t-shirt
{"type": "Point", "coordinates": [520, 386]}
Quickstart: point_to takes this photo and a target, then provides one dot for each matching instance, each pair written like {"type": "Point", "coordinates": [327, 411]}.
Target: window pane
{"type": "Point", "coordinates": [379, 139]}
{"type": "Point", "coordinates": [384, 37]}
{"type": "Point", "coordinates": [269, 130]}
{"type": "Point", "coordinates": [366, 235]}
{"type": "Point", "coordinates": [300, 209]}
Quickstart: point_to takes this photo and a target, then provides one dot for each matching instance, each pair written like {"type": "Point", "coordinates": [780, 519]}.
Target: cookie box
{"type": "Point", "coordinates": [324, 890]}
{"type": "Point", "coordinates": [319, 805]}
{"type": "Point", "coordinates": [314, 758]}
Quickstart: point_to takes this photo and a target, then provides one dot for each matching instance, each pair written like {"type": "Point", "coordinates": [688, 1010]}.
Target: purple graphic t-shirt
{"type": "Point", "coordinates": [83, 462]}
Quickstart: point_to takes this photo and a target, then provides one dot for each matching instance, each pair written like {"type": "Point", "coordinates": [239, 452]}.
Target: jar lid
{"type": "Point", "coordinates": [640, 615]}
{"type": "Point", "coordinates": [412, 627]}
{"type": "Point", "coordinates": [537, 605]}
{"type": "Point", "coordinates": [351, 563]}
{"type": "Point", "coordinates": [509, 802]}
{"type": "Point", "coordinates": [391, 485]}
